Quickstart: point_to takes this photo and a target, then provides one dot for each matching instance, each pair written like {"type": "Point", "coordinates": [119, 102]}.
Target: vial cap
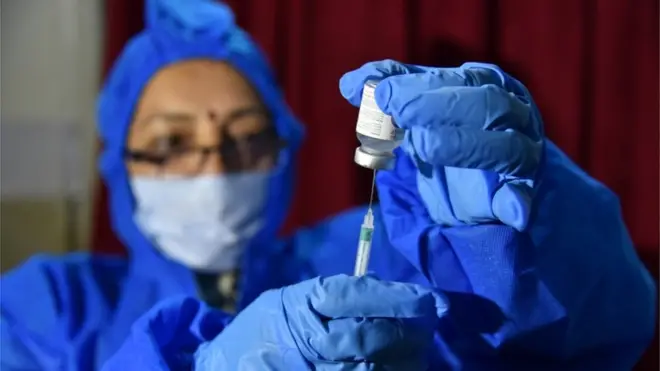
{"type": "Point", "coordinates": [374, 161]}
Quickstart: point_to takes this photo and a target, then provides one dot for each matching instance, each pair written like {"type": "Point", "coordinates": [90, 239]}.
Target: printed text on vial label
{"type": "Point", "coordinates": [372, 121]}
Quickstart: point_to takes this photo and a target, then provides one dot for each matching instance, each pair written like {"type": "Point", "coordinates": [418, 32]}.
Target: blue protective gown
{"type": "Point", "coordinates": [568, 295]}
{"type": "Point", "coordinates": [74, 312]}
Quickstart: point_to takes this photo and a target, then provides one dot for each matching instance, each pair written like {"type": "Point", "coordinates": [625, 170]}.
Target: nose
{"type": "Point", "coordinates": [210, 138]}
{"type": "Point", "coordinates": [212, 164]}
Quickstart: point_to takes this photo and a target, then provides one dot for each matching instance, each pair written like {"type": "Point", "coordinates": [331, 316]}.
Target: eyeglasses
{"type": "Point", "coordinates": [236, 154]}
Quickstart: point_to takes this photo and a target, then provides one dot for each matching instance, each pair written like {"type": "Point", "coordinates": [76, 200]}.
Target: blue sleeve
{"type": "Point", "coordinates": [15, 354]}
{"type": "Point", "coordinates": [167, 337]}
{"type": "Point", "coordinates": [571, 288]}
{"type": "Point", "coordinates": [47, 304]}
{"type": "Point", "coordinates": [32, 314]}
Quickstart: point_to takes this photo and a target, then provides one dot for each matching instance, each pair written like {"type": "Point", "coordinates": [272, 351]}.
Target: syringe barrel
{"type": "Point", "coordinates": [364, 250]}
{"type": "Point", "coordinates": [366, 233]}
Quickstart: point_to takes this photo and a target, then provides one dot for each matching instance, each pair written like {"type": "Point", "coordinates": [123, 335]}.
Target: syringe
{"type": "Point", "coordinates": [364, 246]}
{"type": "Point", "coordinates": [366, 234]}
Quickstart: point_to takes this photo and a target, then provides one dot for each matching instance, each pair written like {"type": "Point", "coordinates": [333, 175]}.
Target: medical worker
{"type": "Point", "coordinates": [492, 249]}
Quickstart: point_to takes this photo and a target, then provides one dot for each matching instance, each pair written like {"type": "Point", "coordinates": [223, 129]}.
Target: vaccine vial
{"type": "Point", "coordinates": [376, 132]}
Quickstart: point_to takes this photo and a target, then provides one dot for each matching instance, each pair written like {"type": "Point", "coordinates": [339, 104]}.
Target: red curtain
{"type": "Point", "coordinates": [592, 66]}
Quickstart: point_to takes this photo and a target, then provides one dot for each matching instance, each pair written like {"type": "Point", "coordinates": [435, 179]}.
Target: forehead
{"type": "Point", "coordinates": [196, 86]}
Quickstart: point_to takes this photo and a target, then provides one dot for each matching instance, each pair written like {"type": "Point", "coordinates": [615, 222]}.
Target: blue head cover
{"type": "Point", "coordinates": [179, 30]}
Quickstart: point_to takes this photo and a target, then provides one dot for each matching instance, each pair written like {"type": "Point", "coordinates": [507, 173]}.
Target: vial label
{"type": "Point", "coordinates": [373, 122]}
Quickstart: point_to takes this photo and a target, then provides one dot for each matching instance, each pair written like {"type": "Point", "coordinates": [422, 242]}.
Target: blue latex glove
{"type": "Point", "coordinates": [569, 292]}
{"type": "Point", "coordinates": [473, 131]}
{"type": "Point", "coordinates": [336, 323]}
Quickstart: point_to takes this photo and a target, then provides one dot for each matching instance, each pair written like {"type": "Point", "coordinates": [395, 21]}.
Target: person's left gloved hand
{"type": "Point", "coordinates": [473, 132]}
{"type": "Point", "coordinates": [335, 323]}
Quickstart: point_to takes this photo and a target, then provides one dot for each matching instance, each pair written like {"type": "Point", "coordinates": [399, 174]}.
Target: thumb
{"type": "Point", "coordinates": [347, 296]}
{"type": "Point", "coordinates": [512, 204]}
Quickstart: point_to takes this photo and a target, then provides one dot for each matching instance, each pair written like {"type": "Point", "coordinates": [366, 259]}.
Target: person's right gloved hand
{"type": "Point", "coordinates": [474, 138]}
{"type": "Point", "coordinates": [336, 323]}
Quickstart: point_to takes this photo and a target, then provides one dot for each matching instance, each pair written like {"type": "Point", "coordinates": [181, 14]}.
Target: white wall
{"type": "Point", "coordinates": [50, 70]}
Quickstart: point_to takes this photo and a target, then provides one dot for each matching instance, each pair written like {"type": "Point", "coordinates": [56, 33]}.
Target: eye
{"type": "Point", "coordinates": [171, 143]}
{"type": "Point", "coordinates": [264, 143]}
{"type": "Point", "coordinates": [261, 138]}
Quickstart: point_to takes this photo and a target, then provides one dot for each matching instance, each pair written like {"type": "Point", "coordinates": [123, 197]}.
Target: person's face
{"type": "Point", "coordinates": [200, 117]}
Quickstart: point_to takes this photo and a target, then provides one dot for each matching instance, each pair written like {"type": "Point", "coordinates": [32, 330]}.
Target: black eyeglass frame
{"type": "Point", "coordinates": [271, 144]}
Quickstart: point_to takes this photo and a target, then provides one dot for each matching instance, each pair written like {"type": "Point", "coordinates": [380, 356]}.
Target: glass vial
{"type": "Point", "coordinates": [376, 132]}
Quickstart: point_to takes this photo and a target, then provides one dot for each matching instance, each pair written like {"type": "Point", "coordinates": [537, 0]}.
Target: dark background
{"type": "Point", "coordinates": [592, 66]}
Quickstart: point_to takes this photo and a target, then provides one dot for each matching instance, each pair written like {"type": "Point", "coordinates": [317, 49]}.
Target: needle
{"type": "Point", "coordinates": [373, 185]}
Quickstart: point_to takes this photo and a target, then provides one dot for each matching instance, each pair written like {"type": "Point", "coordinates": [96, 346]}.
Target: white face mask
{"type": "Point", "coordinates": [203, 222]}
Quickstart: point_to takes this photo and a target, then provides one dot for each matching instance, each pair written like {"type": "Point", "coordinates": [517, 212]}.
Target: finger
{"type": "Point", "coordinates": [483, 74]}
{"type": "Point", "coordinates": [473, 74]}
{"type": "Point", "coordinates": [379, 340]}
{"type": "Point", "coordinates": [504, 152]}
{"type": "Point", "coordinates": [346, 296]}
{"type": "Point", "coordinates": [394, 90]}
{"type": "Point", "coordinates": [351, 83]}
{"type": "Point", "coordinates": [512, 204]}
{"type": "Point", "coordinates": [470, 193]}
{"type": "Point", "coordinates": [417, 83]}
{"type": "Point", "coordinates": [411, 103]}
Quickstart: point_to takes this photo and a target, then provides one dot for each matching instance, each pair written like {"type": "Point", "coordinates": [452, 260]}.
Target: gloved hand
{"type": "Point", "coordinates": [336, 323]}
{"type": "Point", "coordinates": [474, 134]}
{"type": "Point", "coordinates": [475, 153]}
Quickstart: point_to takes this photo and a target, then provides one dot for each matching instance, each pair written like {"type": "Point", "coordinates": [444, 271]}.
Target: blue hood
{"type": "Point", "coordinates": [178, 30]}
